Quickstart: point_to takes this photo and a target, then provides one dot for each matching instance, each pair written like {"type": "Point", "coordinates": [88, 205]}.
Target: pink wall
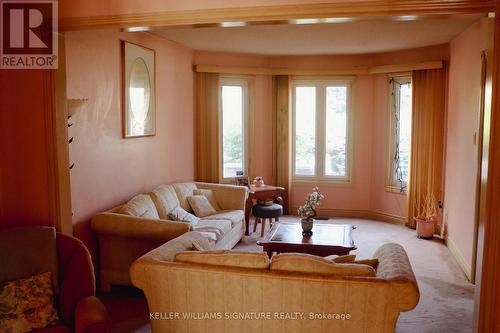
{"type": "Point", "coordinates": [109, 169]}
{"type": "Point", "coordinates": [462, 124]}
{"type": "Point", "coordinates": [428, 53]}
{"type": "Point", "coordinates": [370, 123]}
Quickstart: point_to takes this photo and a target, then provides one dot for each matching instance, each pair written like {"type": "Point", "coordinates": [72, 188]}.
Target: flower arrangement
{"type": "Point", "coordinates": [313, 200]}
{"type": "Point", "coordinates": [428, 210]}
{"type": "Point", "coordinates": [426, 217]}
{"type": "Point", "coordinates": [258, 181]}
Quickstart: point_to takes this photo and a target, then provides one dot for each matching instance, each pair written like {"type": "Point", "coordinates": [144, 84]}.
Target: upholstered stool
{"type": "Point", "coordinates": [263, 212]}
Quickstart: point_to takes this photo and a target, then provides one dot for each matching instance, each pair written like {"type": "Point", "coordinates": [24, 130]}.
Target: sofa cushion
{"type": "Point", "coordinates": [183, 191]}
{"type": "Point", "coordinates": [209, 194]}
{"type": "Point", "coordinates": [227, 258]}
{"type": "Point", "coordinates": [165, 199]}
{"type": "Point", "coordinates": [234, 216]}
{"type": "Point", "coordinates": [201, 206]}
{"type": "Point", "coordinates": [27, 304]}
{"type": "Point", "coordinates": [179, 214]}
{"type": "Point", "coordinates": [219, 227]}
{"type": "Point", "coordinates": [370, 262]}
{"type": "Point", "coordinates": [351, 259]}
{"type": "Point", "coordinates": [141, 206]}
{"type": "Point", "coordinates": [198, 247]}
{"type": "Point", "coordinates": [306, 263]}
{"type": "Point", "coordinates": [341, 259]}
{"type": "Point", "coordinates": [184, 242]}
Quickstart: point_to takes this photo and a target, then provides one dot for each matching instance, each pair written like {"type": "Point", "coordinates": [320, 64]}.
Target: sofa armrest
{"type": "Point", "coordinates": [394, 266]}
{"type": "Point", "coordinates": [137, 227]}
{"type": "Point", "coordinates": [229, 197]}
{"type": "Point", "coordinates": [91, 316]}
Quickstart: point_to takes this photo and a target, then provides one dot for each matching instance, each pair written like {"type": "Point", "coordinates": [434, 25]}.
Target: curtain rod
{"type": "Point", "coordinates": [321, 71]}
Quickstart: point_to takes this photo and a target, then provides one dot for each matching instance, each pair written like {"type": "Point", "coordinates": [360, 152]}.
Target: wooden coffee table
{"type": "Point", "coordinates": [327, 239]}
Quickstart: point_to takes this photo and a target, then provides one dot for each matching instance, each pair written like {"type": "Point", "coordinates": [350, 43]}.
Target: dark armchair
{"type": "Point", "coordinates": [29, 251]}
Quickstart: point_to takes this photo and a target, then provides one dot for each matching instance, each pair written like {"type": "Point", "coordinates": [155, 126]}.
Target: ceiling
{"type": "Point", "coordinates": [351, 37]}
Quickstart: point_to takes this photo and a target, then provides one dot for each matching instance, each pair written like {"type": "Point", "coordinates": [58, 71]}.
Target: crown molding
{"type": "Point", "coordinates": [321, 71]}
{"type": "Point", "coordinates": [283, 13]}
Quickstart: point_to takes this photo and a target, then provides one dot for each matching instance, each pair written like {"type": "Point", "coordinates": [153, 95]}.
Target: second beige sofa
{"type": "Point", "coordinates": [228, 284]}
{"type": "Point", "coordinates": [124, 238]}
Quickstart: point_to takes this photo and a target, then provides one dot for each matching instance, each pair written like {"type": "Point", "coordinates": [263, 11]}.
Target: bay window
{"type": "Point", "coordinates": [233, 103]}
{"type": "Point", "coordinates": [321, 145]}
{"type": "Point", "coordinates": [400, 104]}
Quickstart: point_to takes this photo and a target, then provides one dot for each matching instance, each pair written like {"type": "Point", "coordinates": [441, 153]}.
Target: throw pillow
{"type": "Point", "coordinates": [370, 262]}
{"type": "Point", "coordinates": [228, 258]}
{"type": "Point", "coordinates": [201, 206]}
{"type": "Point", "coordinates": [27, 304]}
{"type": "Point", "coordinates": [141, 206]}
{"type": "Point", "coordinates": [179, 214]}
{"type": "Point", "coordinates": [351, 259]}
{"type": "Point", "coordinates": [342, 259]}
{"type": "Point", "coordinates": [306, 263]}
{"type": "Point", "coordinates": [210, 195]}
{"type": "Point", "coordinates": [165, 199]}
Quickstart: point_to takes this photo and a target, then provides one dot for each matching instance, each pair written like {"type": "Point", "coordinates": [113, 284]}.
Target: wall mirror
{"type": "Point", "coordinates": [139, 112]}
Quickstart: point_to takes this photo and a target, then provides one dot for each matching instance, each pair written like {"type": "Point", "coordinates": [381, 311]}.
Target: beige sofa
{"type": "Point", "coordinates": [216, 295]}
{"type": "Point", "coordinates": [124, 238]}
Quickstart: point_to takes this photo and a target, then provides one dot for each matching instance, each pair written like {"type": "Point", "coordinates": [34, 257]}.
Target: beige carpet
{"type": "Point", "coordinates": [446, 297]}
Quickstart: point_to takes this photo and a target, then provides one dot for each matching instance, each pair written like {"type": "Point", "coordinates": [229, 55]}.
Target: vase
{"type": "Point", "coordinates": [425, 229]}
{"type": "Point", "coordinates": [307, 226]}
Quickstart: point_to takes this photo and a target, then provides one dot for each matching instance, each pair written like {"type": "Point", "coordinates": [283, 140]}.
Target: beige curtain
{"type": "Point", "coordinates": [282, 162]}
{"type": "Point", "coordinates": [207, 127]}
{"type": "Point", "coordinates": [426, 165]}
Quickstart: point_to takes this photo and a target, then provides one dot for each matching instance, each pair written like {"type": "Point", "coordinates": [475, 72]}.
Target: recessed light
{"type": "Point", "coordinates": [137, 29]}
{"type": "Point", "coordinates": [406, 18]}
{"type": "Point", "coordinates": [233, 24]}
{"type": "Point", "coordinates": [337, 19]}
{"type": "Point", "coordinates": [305, 21]}
{"type": "Point", "coordinates": [322, 20]}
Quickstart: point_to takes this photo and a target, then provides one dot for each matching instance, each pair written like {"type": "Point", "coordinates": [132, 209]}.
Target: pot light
{"type": "Point", "coordinates": [337, 19]}
{"type": "Point", "coordinates": [305, 21]}
{"type": "Point", "coordinates": [137, 29]}
{"type": "Point", "coordinates": [233, 24]}
{"type": "Point", "coordinates": [407, 18]}
{"type": "Point", "coordinates": [322, 20]}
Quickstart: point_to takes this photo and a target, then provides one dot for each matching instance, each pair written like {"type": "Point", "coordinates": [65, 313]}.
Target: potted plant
{"type": "Point", "coordinates": [308, 211]}
{"type": "Point", "coordinates": [426, 218]}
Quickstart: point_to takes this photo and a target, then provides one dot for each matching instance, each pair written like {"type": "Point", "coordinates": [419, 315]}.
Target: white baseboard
{"type": "Point", "coordinates": [455, 252]}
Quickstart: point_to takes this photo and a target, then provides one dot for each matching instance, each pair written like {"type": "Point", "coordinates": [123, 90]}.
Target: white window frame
{"type": "Point", "coordinates": [242, 82]}
{"type": "Point", "coordinates": [392, 184]}
{"type": "Point", "coordinates": [321, 84]}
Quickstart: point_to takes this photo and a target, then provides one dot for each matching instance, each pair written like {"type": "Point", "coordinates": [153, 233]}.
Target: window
{"type": "Point", "coordinates": [233, 100]}
{"type": "Point", "coordinates": [400, 136]}
{"type": "Point", "coordinates": [321, 130]}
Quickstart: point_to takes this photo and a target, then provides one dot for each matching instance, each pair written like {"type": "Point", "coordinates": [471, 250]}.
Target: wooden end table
{"type": "Point", "coordinates": [256, 193]}
{"type": "Point", "coordinates": [327, 239]}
